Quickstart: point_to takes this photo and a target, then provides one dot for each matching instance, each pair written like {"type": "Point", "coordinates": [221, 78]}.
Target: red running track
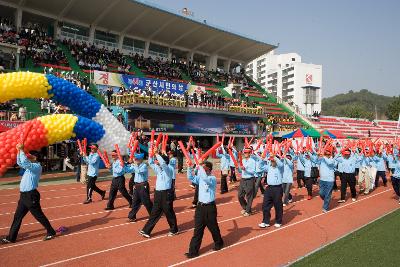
{"type": "Point", "coordinates": [105, 238]}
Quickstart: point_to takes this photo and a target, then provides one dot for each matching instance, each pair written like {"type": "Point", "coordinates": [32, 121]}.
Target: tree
{"type": "Point", "coordinates": [393, 109]}
{"type": "Point", "coordinates": [357, 112]}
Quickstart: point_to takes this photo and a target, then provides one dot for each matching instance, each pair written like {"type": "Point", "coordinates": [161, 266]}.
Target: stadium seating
{"type": "Point", "coordinates": [359, 128]}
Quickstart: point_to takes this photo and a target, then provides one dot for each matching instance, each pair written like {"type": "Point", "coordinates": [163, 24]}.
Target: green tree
{"type": "Point", "coordinates": [357, 112]}
{"type": "Point", "coordinates": [393, 109]}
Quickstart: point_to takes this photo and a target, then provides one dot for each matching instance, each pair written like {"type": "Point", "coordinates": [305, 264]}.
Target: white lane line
{"type": "Point", "coordinates": [278, 229]}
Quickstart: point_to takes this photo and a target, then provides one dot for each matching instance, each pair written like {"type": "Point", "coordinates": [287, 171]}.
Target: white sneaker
{"type": "Point", "coordinates": [290, 200]}
{"type": "Point", "coordinates": [284, 205]}
{"type": "Point", "coordinates": [277, 225]}
{"type": "Point", "coordinates": [324, 211]}
{"type": "Point", "coordinates": [353, 199]}
{"type": "Point", "coordinates": [341, 201]}
{"type": "Point", "coordinates": [263, 225]}
{"type": "Point", "coordinates": [243, 212]}
{"type": "Point", "coordinates": [246, 214]}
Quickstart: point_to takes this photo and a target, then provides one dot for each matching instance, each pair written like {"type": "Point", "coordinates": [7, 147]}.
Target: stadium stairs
{"type": "Point", "coordinates": [75, 67]}
{"type": "Point", "coordinates": [274, 107]}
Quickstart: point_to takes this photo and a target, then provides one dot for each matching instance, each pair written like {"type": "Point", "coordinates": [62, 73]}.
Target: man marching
{"type": "Point", "coordinates": [141, 187]}
{"type": "Point", "coordinates": [206, 210]}
{"type": "Point", "coordinates": [247, 182]}
{"type": "Point", "coordinates": [163, 196]}
{"type": "Point", "coordinates": [93, 161]}
{"type": "Point", "coordinates": [224, 165]}
{"type": "Point", "coordinates": [118, 181]}
{"type": "Point", "coordinates": [29, 199]}
{"type": "Point", "coordinates": [273, 193]}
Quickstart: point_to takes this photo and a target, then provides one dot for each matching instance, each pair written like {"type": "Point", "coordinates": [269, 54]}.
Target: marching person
{"type": "Point", "coordinates": [273, 193]}
{"type": "Point", "coordinates": [260, 170]}
{"type": "Point", "coordinates": [306, 161]}
{"type": "Point", "coordinates": [396, 175]}
{"type": "Point", "coordinates": [224, 165]}
{"type": "Point", "coordinates": [172, 164]}
{"type": "Point", "coordinates": [163, 196]}
{"type": "Point", "coordinates": [93, 161]}
{"type": "Point", "coordinates": [300, 174]}
{"type": "Point", "coordinates": [29, 199]}
{"type": "Point", "coordinates": [118, 182]}
{"type": "Point", "coordinates": [365, 174]}
{"type": "Point", "coordinates": [380, 159]}
{"type": "Point", "coordinates": [348, 177]}
{"type": "Point", "coordinates": [232, 176]}
{"type": "Point", "coordinates": [287, 179]}
{"type": "Point", "coordinates": [247, 169]}
{"type": "Point", "coordinates": [141, 187]}
{"type": "Point", "coordinates": [206, 210]}
{"type": "Point", "coordinates": [327, 176]}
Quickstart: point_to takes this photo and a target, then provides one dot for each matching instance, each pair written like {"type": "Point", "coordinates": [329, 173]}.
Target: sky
{"type": "Point", "coordinates": [356, 42]}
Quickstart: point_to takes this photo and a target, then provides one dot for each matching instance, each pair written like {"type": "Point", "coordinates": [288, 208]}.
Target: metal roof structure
{"type": "Point", "coordinates": [148, 22]}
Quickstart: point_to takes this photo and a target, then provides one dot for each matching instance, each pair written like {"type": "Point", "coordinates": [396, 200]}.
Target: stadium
{"type": "Point", "coordinates": [145, 82]}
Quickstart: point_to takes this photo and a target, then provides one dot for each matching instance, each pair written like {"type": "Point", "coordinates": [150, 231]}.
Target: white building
{"type": "Point", "coordinates": [286, 77]}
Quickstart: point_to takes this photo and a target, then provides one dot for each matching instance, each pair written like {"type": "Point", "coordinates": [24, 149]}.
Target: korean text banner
{"type": "Point", "coordinates": [131, 82]}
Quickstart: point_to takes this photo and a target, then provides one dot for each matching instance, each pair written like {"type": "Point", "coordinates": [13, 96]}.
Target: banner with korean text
{"type": "Point", "coordinates": [133, 82]}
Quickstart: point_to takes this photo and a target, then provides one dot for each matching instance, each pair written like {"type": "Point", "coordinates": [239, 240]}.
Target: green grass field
{"type": "Point", "coordinates": [377, 244]}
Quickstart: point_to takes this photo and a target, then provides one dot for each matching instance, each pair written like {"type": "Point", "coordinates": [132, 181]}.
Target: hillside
{"type": "Point", "coordinates": [357, 105]}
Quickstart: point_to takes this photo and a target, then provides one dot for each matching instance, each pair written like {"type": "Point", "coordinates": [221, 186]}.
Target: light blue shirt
{"type": "Point", "coordinates": [31, 176]}
{"type": "Point", "coordinates": [234, 152]}
{"type": "Point", "coordinates": [396, 167]}
{"type": "Point", "coordinates": [390, 160]}
{"type": "Point", "coordinates": [207, 184]}
{"type": "Point", "coordinates": [260, 165]}
{"type": "Point", "coordinates": [380, 162]}
{"type": "Point", "coordinates": [287, 176]}
{"type": "Point", "coordinates": [225, 159]}
{"type": "Point", "coordinates": [141, 172]}
{"type": "Point", "coordinates": [249, 170]}
{"type": "Point", "coordinates": [347, 165]}
{"type": "Point", "coordinates": [93, 161]}
{"type": "Point", "coordinates": [117, 169]}
{"type": "Point", "coordinates": [326, 169]}
{"type": "Point", "coordinates": [164, 173]}
{"type": "Point", "coordinates": [172, 164]}
{"type": "Point", "coordinates": [300, 165]}
{"type": "Point", "coordinates": [274, 174]}
{"type": "Point", "coordinates": [307, 164]}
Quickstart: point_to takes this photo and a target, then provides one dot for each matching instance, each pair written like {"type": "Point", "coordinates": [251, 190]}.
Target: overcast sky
{"type": "Point", "coordinates": [356, 42]}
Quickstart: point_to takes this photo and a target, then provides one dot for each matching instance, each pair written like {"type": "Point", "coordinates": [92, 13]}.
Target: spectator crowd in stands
{"type": "Point", "coordinates": [95, 58]}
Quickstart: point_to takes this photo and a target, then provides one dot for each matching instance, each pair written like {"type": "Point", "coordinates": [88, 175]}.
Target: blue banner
{"type": "Point", "coordinates": [132, 82]}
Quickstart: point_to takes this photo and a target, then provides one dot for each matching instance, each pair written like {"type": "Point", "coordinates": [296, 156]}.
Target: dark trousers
{"type": "Point", "coordinates": [91, 186]}
{"type": "Point", "coordinates": [246, 193]}
{"type": "Point", "coordinates": [259, 185]}
{"type": "Point", "coordinates": [300, 178]}
{"type": "Point", "coordinates": [173, 187]}
{"type": "Point", "coordinates": [141, 195]}
{"type": "Point", "coordinates": [131, 183]}
{"type": "Point", "coordinates": [347, 179]}
{"type": "Point", "coordinates": [381, 174]}
{"type": "Point", "coordinates": [314, 174]}
{"type": "Point", "coordinates": [396, 186]}
{"type": "Point", "coordinates": [163, 203]}
{"type": "Point", "coordinates": [196, 195]}
{"type": "Point", "coordinates": [205, 216]}
{"type": "Point", "coordinates": [180, 164]}
{"type": "Point", "coordinates": [78, 172]}
{"type": "Point", "coordinates": [224, 183]}
{"type": "Point", "coordinates": [309, 183]}
{"type": "Point", "coordinates": [118, 184]}
{"type": "Point", "coordinates": [29, 201]}
{"type": "Point", "coordinates": [273, 197]}
{"type": "Point", "coordinates": [232, 177]}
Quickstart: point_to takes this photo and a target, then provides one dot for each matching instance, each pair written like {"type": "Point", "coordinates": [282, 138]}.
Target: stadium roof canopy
{"type": "Point", "coordinates": [148, 22]}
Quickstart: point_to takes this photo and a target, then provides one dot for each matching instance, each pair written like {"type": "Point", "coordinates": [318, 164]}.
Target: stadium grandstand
{"type": "Point", "coordinates": [143, 60]}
